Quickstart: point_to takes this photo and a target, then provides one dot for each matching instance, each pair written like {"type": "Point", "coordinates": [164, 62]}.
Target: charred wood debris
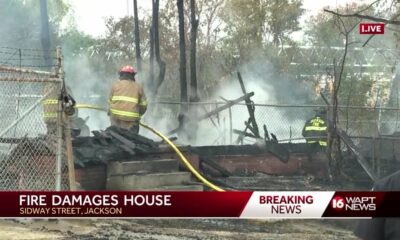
{"type": "Point", "coordinates": [251, 130]}
{"type": "Point", "coordinates": [111, 145]}
{"type": "Point", "coordinates": [115, 144]}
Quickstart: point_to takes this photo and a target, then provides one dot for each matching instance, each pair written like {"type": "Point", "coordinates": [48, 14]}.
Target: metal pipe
{"type": "Point", "coordinates": [59, 147]}
{"type": "Point", "coordinates": [28, 79]}
{"type": "Point", "coordinates": [30, 109]}
{"type": "Point", "coordinates": [24, 70]}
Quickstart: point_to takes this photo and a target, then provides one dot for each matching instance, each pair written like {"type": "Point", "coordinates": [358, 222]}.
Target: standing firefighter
{"type": "Point", "coordinates": [50, 108]}
{"type": "Point", "coordinates": [127, 101]}
{"type": "Point", "coordinates": [315, 129]}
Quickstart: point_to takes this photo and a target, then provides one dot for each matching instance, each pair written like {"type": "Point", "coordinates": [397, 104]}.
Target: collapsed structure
{"type": "Point", "coordinates": [34, 158]}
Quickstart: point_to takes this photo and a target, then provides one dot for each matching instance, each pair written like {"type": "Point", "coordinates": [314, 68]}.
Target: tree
{"type": "Point", "coordinates": [325, 33]}
{"type": "Point", "coordinates": [346, 19]}
{"type": "Point", "coordinates": [249, 24]}
{"type": "Point", "coordinates": [137, 36]}
{"type": "Point", "coordinates": [243, 38]}
{"type": "Point", "coordinates": [182, 52]}
{"type": "Point", "coordinates": [283, 19]}
{"type": "Point", "coordinates": [194, 23]}
{"type": "Point", "coordinates": [156, 41]}
{"type": "Point", "coordinates": [21, 22]}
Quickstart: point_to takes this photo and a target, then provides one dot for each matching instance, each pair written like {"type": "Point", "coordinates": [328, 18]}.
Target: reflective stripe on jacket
{"type": "Point", "coordinates": [50, 104]}
{"type": "Point", "coordinates": [50, 109]}
{"type": "Point", "coordinates": [321, 143]}
{"type": "Point", "coordinates": [127, 100]}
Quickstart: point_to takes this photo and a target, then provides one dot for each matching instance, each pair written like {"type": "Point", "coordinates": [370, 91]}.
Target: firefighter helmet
{"type": "Point", "coordinates": [127, 69]}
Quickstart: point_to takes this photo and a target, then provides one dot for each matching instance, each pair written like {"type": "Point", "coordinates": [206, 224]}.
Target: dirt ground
{"type": "Point", "coordinates": [176, 229]}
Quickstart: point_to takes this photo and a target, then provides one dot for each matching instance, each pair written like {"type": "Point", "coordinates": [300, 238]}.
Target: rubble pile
{"type": "Point", "coordinates": [110, 145]}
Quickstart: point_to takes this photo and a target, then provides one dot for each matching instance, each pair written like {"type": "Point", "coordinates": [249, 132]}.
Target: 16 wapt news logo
{"type": "Point", "coordinates": [354, 203]}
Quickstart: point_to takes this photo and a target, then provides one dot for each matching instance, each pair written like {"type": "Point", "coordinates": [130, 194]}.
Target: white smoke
{"type": "Point", "coordinates": [259, 76]}
{"type": "Point", "coordinates": [269, 87]}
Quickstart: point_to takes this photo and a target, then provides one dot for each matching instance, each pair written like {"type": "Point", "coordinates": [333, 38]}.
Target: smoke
{"type": "Point", "coordinates": [269, 87]}
{"type": "Point", "coordinates": [89, 86]}
{"type": "Point", "coordinates": [91, 83]}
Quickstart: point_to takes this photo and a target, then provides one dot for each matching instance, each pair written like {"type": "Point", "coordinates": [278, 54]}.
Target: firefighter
{"type": "Point", "coordinates": [127, 101]}
{"type": "Point", "coordinates": [50, 108]}
{"type": "Point", "coordinates": [315, 130]}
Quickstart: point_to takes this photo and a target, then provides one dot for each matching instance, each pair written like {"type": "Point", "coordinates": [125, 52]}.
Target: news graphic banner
{"type": "Point", "coordinates": [199, 204]}
{"type": "Point", "coordinates": [372, 28]}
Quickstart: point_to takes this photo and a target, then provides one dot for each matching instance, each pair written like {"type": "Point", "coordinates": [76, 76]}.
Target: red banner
{"type": "Point", "coordinates": [122, 204]}
{"type": "Point", "coordinates": [289, 204]}
{"type": "Point", "coordinates": [364, 204]}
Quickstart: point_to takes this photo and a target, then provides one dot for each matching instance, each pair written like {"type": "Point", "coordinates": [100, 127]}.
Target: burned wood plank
{"type": "Point", "coordinates": [278, 150]}
{"type": "Point", "coordinates": [266, 134]}
{"type": "Point", "coordinates": [243, 133]}
{"type": "Point", "coordinates": [127, 145]}
{"type": "Point", "coordinates": [211, 163]}
{"type": "Point", "coordinates": [212, 120]}
{"type": "Point", "coordinates": [248, 125]}
{"type": "Point", "coordinates": [218, 109]}
{"type": "Point", "coordinates": [131, 136]}
{"type": "Point", "coordinates": [101, 137]}
{"type": "Point", "coordinates": [241, 136]}
{"type": "Point", "coordinates": [360, 159]}
{"type": "Point", "coordinates": [250, 108]}
{"type": "Point", "coordinates": [228, 105]}
{"type": "Point", "coordinates": [142, 140]}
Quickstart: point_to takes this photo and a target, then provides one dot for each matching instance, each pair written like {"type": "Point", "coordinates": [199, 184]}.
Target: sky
{"type": "Point", "coordinates": [90, 14]}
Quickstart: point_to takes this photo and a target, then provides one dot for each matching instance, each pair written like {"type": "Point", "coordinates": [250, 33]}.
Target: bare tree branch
{"type": "Point", "coordinates": [368, 7]}
{"type": "Point", "coordinates": [366, 42]}
{"type": "Point", "coordinates": [338, 70]}
{"type": "Point", "coordinates": [375, 19]}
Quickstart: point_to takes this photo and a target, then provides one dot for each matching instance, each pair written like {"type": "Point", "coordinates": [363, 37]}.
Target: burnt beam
{"type": "Point", "coordinates": [218, 109]}
{"type": "Point", "coordinates": [250, 108]}
{"type": "Point", "coordinates": [243, 133]}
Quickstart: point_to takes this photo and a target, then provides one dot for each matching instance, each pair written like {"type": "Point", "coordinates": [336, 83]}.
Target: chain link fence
{"type": "Point", "coordinates": [30, 139]}
{"type": "Point", "coordinates": [284, 121]}
{"type": "Point", "coordinates": [375, 131]}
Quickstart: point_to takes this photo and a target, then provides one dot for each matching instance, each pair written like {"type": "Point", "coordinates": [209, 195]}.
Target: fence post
{"type": "Point", "coordinates": [60, 75]}
{"type": "Point", "coordinates": [70, 155]}
{"type": "Point", "coordinates": [230, 126]}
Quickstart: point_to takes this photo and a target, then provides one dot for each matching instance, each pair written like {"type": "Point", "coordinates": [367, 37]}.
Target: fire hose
{"type": "Point", "coordinates": [183, 159]}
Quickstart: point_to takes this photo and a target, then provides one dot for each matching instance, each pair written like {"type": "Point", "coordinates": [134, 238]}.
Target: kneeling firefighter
{"type": "Point", "coordinates": [127, 101]}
